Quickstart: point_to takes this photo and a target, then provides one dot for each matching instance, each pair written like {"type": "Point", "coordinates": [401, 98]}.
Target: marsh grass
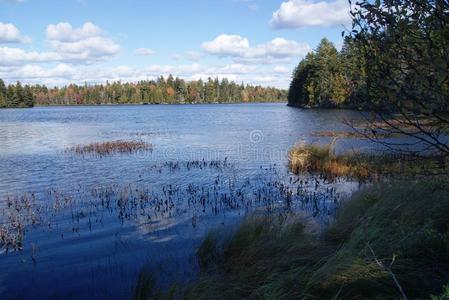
{"type": "Point", "coordinates": [112, 147]}
{"type": "Point", "coordinates": [399, 230]}
{"type": "Point", "coordinates": [323, 159]}
{"type": "Point", "coordinates": [86, 208]}
{"type": "Point", "coordinates": [147, 289]}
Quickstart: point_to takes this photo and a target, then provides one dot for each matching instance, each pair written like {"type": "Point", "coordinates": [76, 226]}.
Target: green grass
{"type": "Point", "coordinates": [146, 288]}
{"type": "Point", "coordinates": [397, 230]}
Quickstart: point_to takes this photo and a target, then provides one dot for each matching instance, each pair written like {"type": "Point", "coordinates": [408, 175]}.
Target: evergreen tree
{"type": "Point", "coordinates": [181, 90]}
{"type": "Point", "coordinates": [172, 90]}
{"type": "Point", "coordinates": [2, 94]}
{"type": "Point", "coordinates": [298, 94]}
{"type": "Point", "coordinates": [27, 97]}
{"type": "Point", "coordinates": [327, 78]}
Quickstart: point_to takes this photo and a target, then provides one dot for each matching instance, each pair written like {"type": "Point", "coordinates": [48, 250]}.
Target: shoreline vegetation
{"type": "Point", "coordinates": [168, 90]}
{"type": "Point", "coordinates": [323, 160]}
{"type": "Point", "coordinates": [389, 240]}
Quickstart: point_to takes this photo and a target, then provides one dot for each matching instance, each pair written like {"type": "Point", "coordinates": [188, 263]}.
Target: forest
{"type": "Point", "coordinates": [394, 61]}
{"type": "Point", "coordinates": [168, 90]}
{"type": "Point", "coordinates": [329, 78]}
{"type": "Point", "coordinates": [16, 95]}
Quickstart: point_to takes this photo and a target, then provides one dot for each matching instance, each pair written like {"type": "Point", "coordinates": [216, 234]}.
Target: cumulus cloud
{"type": "Point", "coordinates": [34, 71]}
{"type": "Point", "coordinates": [304, 13]}
{"type": "Point", "coordinates": [64, 32]}
{"type": "Point", "coordinates": [74, 56]}
{"type": "Point", "coordinates": [16, 56]}
{"type": "Point", "coordinates": [276, 50]}
{"type": "Point", "coordinates": [9, 33]}
{"type": "Point", "coordinates": [85, 44]}
{"type": "Point", "coordinates": [64, 73]}
{"type": "Point", "coordinates": [144, 51]}
{"type": "Point", "coordinates": [227, 45]}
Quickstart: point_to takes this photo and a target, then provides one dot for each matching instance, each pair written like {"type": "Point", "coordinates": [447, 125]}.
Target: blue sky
{"type": "Point", "coordinates": [255, 41]}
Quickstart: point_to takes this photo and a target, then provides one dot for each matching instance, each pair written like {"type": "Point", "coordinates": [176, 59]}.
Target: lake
{"type": "Point", "coordinates": [88, 224]}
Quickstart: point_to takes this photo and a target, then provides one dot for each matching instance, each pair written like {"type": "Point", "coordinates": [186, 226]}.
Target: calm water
{"type": "Point", "coordinates": [92, 223]}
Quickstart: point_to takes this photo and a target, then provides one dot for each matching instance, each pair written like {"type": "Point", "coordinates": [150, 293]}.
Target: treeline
{"type": "Point", "coordinates": [396, 58]}
{"type": "Point", "coordinates": [329, 78]}
{"type": "Point", "coordinates": [168, 90]}
{"type": "Point", "coordinates": [16, 95]}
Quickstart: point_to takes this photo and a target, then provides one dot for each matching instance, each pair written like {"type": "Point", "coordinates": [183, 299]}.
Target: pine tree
{"type": "Point", "coordinates": [11, 100]}
{"type": "Point", "coordinates": [28, 98]}
{"type": "Point", "coordinates": [2, 94]}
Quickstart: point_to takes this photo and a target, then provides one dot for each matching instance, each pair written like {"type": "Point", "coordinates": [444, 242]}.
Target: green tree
{"type": "Point", "coordinates": [181, 90]}
{"type": "Point", "coordinates": [327, 61]}
{"type": "Point", "coordinates": [27, 96]}
{"type": "Point", "coordinates": [2, 93]}
{"type": "Point", "coordinates": [298, 93]}
{"type": "Point", "coordinates": [405, 45]}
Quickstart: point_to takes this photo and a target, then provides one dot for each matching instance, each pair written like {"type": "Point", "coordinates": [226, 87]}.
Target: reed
{"type": "Point", "coordinates": [111, 147]}
{"type": "Point", "coordinates": [322, 159]}
{"type": "Point", "coordinates": [88, 207]}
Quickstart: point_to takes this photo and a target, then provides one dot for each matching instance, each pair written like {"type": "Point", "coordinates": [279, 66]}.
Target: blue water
{"type": "Point", "coordinates": [94, 222]}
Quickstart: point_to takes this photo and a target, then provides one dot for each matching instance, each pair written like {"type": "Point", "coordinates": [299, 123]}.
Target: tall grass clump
{"type": "Point", "coordinates": [395, 231]}
{"type": "Point", "coordinates": [322, 159]}
{"type": "Point", "coordinates": [147, 288]}
{"type": "Point", "coordinates": [262, 258]}
{"type": "Point", "coordinates": [388, 241]}
{"type": "Point", "coordinates": [111, 147]}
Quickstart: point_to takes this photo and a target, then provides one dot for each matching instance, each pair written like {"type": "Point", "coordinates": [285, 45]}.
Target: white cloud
{"type": "Point", "coordinates": [304, 13]}
{"type": "Point", "coordinates": [281, 70]}
{"type": "Point", "coordinates": [85, 44]}
{"type": "Point", "coordinates": [238, 47]}
{"type": "Point", "coordinates": [227, 45]}
{"type": "Point", "coordinates": [178, 70]}
{"type": "Point", "coordinates": [63, 73]}
{"type": "Point", "coordinates": [144, 51]}
{"type": "Point", "coordinates": [16, 56]}
{"type": "Point", "coordinates": [73, 52]}
{"type": "Point", "coordinates": [33, 71]}
{"type": "Point", "coordinates": [64, 32]}
{"type": "Point", "coordinates": [9, 33]}
{"type": "Point", "coordinates": [86, 50]}
{"type": "Point", "coordinates": [237, 69]}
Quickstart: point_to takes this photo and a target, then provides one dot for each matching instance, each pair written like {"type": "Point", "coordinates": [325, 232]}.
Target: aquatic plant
{"type": "Point", "coordinates": [111, 147]}
{"type": "Point", "coordinates": [141, 202]}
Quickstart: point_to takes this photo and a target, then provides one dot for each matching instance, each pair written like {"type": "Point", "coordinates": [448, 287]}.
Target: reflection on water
{"type": "Point", "coordinates": [83, 226]}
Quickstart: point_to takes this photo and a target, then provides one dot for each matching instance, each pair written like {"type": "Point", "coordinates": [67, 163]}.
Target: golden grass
{"type": "Point", "coordinates": [322, 159]}
{"type": "Point", "coordinates": [112, 147]}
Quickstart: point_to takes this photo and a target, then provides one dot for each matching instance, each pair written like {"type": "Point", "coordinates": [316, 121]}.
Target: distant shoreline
{"type": "Point", "coordinates": [148, 104]}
